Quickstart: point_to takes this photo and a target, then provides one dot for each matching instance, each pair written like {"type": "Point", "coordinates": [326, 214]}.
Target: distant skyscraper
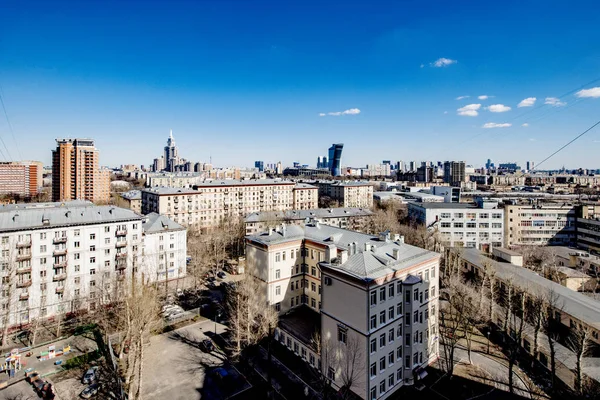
{"type": "Point", "coordinates": [488, 164]}
{"type": "Point", "coordinates": [324, 163]}
{"type": "Point", "coordinates": [335, 159]}
{"type": "Point", "coordinates": [260, 165]}
{"type": "Point", "coordinates": [171, 154]}
{"type": "Point", "coordinates": [20, 177]}
{"type": "Point", "coordinates": [454, 172]}
{"type": "Point", "coordinates": [76, 174]}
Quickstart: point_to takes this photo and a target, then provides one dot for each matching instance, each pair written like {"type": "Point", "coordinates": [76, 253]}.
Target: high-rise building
{"type": "Point", "coordinates": [260, 165]}
{"type": "Point", "coordinates": [23, 178]}
{"type": "Point", "coordinates": [171, 153]}
{"type": "Point", "coordinates": [335, 159]}
{"type": "Point", "coordinates": [76, 174]}
{"type": "Point", "coordinates": [454, 172]}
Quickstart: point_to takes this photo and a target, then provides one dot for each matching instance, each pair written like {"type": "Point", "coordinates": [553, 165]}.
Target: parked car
{"type": "Point", "coordinates": [90, 376]}
{"type": "Point", "coordinates": [179, 292]}
{"type": "Point", "coordinates": [90, 391]}
{"type": "Point", "coordinates": [210, 279]}
{"type": "Point", "coordinates": [221, 274]}
{"type": "Point", "coordinates": [207, 345]}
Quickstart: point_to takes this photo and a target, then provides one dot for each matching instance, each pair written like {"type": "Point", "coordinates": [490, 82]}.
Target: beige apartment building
{"type": "Point", "coordinates": [306, 197]}
{"type": "Point", "coordinates": [21, 177]}
{"type": "Point", "coordinates": [373, 297]}
{"type": "Point", "coordinates": [539, 224]}
{"type": "Point", "coordinates": [349, 194]}
{"type": "Point", "coordinates": [76, 174]}
{"type": "Point", "coordinates": [211, 202]}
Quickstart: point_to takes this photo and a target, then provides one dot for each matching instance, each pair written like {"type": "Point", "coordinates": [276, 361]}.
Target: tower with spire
{"type": "Point", "coordinates": [171, 153]}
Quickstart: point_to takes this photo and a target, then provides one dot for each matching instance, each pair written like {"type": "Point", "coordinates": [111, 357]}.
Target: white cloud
{"type": "Point", "coordinates": [351, 111]}
{"type": "Point", "coordinates": [592, 92]}
{"type": "Point", "coordinates": [525, 125]}
{"type": "Point", "coordinates": [528, 102]}
{"type": "Point", "coordinates": [445, 112]}
{"type": "Point", "coordinates": [531, 139]}
{"type": "Point", "coordinates": [498, 108]}
{"type": "Point", "coordinates": [555, 102]}
{"type": "Point", "coordinates": [469, 110]}
{"type": "Point", "coordinates": [443, 62]}
{"type": "Point", "coordinates": [495, 125]}
{"type": "Point", "coordinates": [462, 97]}
{"type": "Point", "coordinates": [422, 65]}
{"type": "Point", "coordinates": [483, 97]}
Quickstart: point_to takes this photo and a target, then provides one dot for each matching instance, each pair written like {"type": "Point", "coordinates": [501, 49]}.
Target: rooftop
{"type": "Point", "coordinates": [51, 215]}
{"type": "Point", "coordinates": [371, 257]}
{"type": "Point", "coordinates": [154, 223]}
{"type": "Point", "coordinates": [307, 214]}
{"type": "Point", "coordinates": [453, 206]}
{"type": "Point", "coordinates": [573, 303]}
{"type": "Point", "coordinates": [132, 195]}
{"type": "Point", "coordinates": [301, 322]}
{"type": "Point", "coordinates": [304, 186]}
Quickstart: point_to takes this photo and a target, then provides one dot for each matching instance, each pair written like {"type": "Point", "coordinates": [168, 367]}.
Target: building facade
{"type": "Point", "coordinates": [64, 257]}
{"type": "Point", "coordinates": [306, 197]}
{"type": "Point", "coordinates": [335, 159]}
{"type": "Point", "coordinates": [132, 200]}
{"type": "Point", "coordinates": [454, 173]}
{"type": "Point", "coordinates": [165, 249]}
{"type": "Point", "coordinates": [76, 174]}
{"type": "Point", "coordinates": [349, 194]}
{"type": "Point", "coordinates": [461, 224]}
{"type": "Point", "coordinates": [23, 178]}
{"type": "Point", "coordinates": [372, 297]}
{"type": "Point", "coordinates": [539, 224]}
{"type": "Point", "coordinates": [211, 202]}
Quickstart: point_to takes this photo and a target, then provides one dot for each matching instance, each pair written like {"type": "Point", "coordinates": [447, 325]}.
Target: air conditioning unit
{"type": "Point", "coordinates": [328, 281]}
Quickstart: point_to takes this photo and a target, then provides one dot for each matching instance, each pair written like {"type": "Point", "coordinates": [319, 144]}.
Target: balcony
{"type": "Point", "coordinates": [59, 277]}
{"type": "Point", "coordinates": [121, 277]}
{"type": "Point", "coordinates": [121, 266]}
{"type": "Point", "coordinates": [23, 257]}
{"type": "Point", "coordinates": [60, 290]}
{"type": "Point", "coordinates": [60, 252]}
{"type": "Point", "coordinates": [122, 243]}
{"type": "Point", "coordinates": [62, 264]}
{"type": "Point", "coordinates": [58, 240]}
{"type": "Point", "coordinates": [121, 232]}
{"type": "Point", "coordinates": [121, 256]}
{"type": "Point", "coordinates": [24, 296]}
{"type": "Point", "coordinates": [24, 283]}
{"type": "Point", "coordinates": [23, 244]}
{"type": "Point", "coordinates": [24, 270]}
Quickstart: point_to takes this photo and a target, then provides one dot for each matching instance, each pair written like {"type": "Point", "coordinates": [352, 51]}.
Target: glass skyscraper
{"type": "Point", "coordinates": [335, 159]}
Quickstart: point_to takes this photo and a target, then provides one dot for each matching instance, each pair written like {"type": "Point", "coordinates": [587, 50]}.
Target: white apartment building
{"type": "Point", "coordinates": [211, 202]}
{"type": "Point", "coordinates": [306, 196]}
{"type": "Point", "coordinates": [539, 224]}
{"type": "Point", "coordinates": [349, 194]}
{"type": "Point", "coordinates": [62, 257]}
{"type": "Point", "coordinates": [165, 248]}
{"type": "Point", "coordinates": [373, 294]}
{"type": "Point", "coordinates": [345, 217]}
{"type": "Point", "coordinates": [461, 224]}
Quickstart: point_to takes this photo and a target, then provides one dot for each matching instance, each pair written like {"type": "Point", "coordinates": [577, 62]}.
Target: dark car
{"type": "Point", "coordinates": [207, 345]}
{"type": "Point", "coordinates": [90, 391]}
{"type": "Point", "coordinates": [210, 279]}
{"type": "Point", "coordinates": [221, 274]}
{"type": "Point", "coordinates": [89, 376]}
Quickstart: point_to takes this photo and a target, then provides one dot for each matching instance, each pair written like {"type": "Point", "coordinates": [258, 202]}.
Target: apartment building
{"type": "Point", "coordinates": [539, 224]}
{"type": "Point", "coordinates": [175, 179]}
{"type": "Point", "coordinates": [76, 174]}
{"type": "Point", "coordinates": [165, 249]}
{"type": "Point", "coordinates": [306, 197]}
{"type": "Point", "coordinates": [132, 200]}
{"type": "Point", "coordinates": [348, 218]}
{"type": "Point", "coordinates": [62, 257]}
{"type": "Point", "coordinates": [460, 224]}
{"type": "Point", "coordinates": [454, 173]}
{"type": "Point", "coordinates": [570, 310]}
{"type": "Point", "coordinates": [373, 297]}
{"type": "Point", "coordinates": [23, 178]}
{"type": "Point", "coordinates": [349, 194]}
{"type": "Point", "coordinates": [211, 202]}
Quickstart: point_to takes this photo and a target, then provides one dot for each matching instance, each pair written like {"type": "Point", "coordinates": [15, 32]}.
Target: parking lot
{"type": "Point", "coordinates": [176, 368]}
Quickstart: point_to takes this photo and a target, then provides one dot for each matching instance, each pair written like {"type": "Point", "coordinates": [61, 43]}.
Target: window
{"type": "Point", "coordinates": [277, 273]}
{"type": "Point", "coordinates": [433, 291]}
{"type": "Point", "coordinates": [391, 313]}
{"type": "Point", "coordinates": [382, 294]}
{"type": "Point", "coordinates": [92, 248]}
{"type": "Point", "coordinates": [282, 254]}
{"type": "Point", "coordinates": [373, 345]}
{"type": "Point", "coordinates": [331, 373]}
{"type": "Point", "coordinates": [342, 334]}
{"type": "Point", "coordinates": [391, 291]}
{"type": "Point", "coordinates": [313, 271]}
{"type": "Point", "coordinates": [426, 314]}
{"type": "Point", "coordinates": [92, 283]}
{"type": "Point", "coordinates": [373, 370]}
{"type": "Point", "coordinates": [433, 272]}
{"type": "Point", "coordinates": [416, 317]}
{"type": "Point", "coordinates": [77, 280]}
{"type": "Point", "coordinates": [382, 387]}
{"type": "Point", "coordinates": [373, 321]}
{"type": "Point", "coordinates": [313, 286]}
{"type": "Point", "coordinates": [407, 296]}
{"type": "Point", "coordinates": [399, 310]}
{"type": "Point", "coordinates": [277, 257]}
{"type": "Point", "coordinates": [399, 353]}
{"type": "Point", "coordinates": [407, 339]}
{"type": "Point", "coordinates": [416, 358]}
{"type": "Point", "coordinates": [391, 335]}
{"type": "Point", "coordinates": [391, 358]}
{"type": "Point", "coordinates": [77, 268]}
{"type": "Point", "coordinates": [92, 236]}
{"type": "Point", "coordinates": [399, 375]}
{"type": "Point", "coordinates": [382, 317]}
{"type": "Point", "coordinates": [373, 297]}
{"type": "Point", "coordinates": [92, 271]}
{"type": "Point", "coordinates": [277, 290]}
{"type": "Point", "coordinates": [391, 380]}
{"type": "Point", "coordinates": [76, 256]}
{"type": "Point", "coordinates": [421, 317]}
{"type": "Point", "coordinates": [416, 339]}
{"type": "Point", "coordinates": [407, 362]}
{"type": "Point", "coordinates": [420, 337]}
{"type": "Point", "coordinates": [382, 364]}
{"type": "Point", "coordinates": [92, 260]}
{"type": "Point", "coordinates": [373, 393]}
{"type": "Point", "coordinates": [416, 295]}
{"type": "Point", "coordinates": [107, 252]}
{"type": "Point", "coordinates": [43, 261]}
{"type": "Point", "coordinates": [43, 248]}
{"type": "Point", "coordinates": [382, 340]}
{"type": "Point", "coordinates": [407, 318]}
{"type": "Point", "coordinates": [426, 294]}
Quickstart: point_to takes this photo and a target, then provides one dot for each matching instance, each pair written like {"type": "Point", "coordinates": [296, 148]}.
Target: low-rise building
{"type": "Point", "coordinates": [132, 200]}
{"type": "Point", "coordinates": [349, 194]}
{"type": "Point", "coordinates": [375, 297]}
{"type": "Point", "coordinates": [348, 218]}
{"type": "Point", "coordinates": [165, 248]}
{"type": "Point", "coordinates": [539, 224]}
{"type": "Point", "coordinates": [461, 224]}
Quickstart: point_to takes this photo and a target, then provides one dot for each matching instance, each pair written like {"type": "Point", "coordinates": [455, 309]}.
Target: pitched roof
{"type": "Point", "coordinates": [154, 223]}
{"type": "Point", "coordinates": [305, 214]}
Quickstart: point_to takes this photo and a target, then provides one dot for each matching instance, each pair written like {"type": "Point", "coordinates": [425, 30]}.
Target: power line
{"type": "Point", "coordinates": [574, 139]}
{"type": "Point", "coordinates": [12, 132]}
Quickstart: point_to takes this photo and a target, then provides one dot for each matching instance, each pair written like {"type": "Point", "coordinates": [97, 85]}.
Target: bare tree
{"type": "Point", "coordinates": [324, 349]}
{"type": "Point", "coordinates": [518, 304]}
{"type": "Point", "coordinates": [352, 365]}
{"type": "Point", "coordinates": [452, 312]}
{"type": "Point", "coordinates": [580, 342]}
{"type": "Point", "coordinates": [8, 290]}
{"type": "Point", "coordinates": [551, 308]}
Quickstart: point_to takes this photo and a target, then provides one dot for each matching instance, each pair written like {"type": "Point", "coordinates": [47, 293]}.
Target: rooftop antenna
{"type": "Point", "coordinates": [171, 133]}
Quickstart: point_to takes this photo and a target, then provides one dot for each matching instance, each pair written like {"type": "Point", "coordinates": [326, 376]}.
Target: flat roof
{"type": "Point", "coordinates": [573, 303]}
{"type": "Point", "coordinates": [306, 214]}
{"type": "Point", "coordinates": [453, 206]}
{"type": "Point", "coordinates": [302, 322]}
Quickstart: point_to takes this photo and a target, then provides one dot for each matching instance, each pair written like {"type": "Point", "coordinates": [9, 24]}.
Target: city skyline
{"type": "Point", "coordinates": [240, 85]}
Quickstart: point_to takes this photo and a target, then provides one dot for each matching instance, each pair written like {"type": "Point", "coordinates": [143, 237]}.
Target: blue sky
{"type": "Point", "coordinates": [240, 81]}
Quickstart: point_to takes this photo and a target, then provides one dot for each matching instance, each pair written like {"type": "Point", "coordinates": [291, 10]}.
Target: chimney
{"type": "Point", "coordinates": [330, 253]}
{"type": "Point", "coordinates": [343, 256]}
{"type": "Point", "coordinates": [400, 239]}
{"type": "Point", "coordinates": [396, 254]}
{"type": "Point", "coordinates": [283, 230]}
{"type": "Point", "coordinates": [396, 237]}
{"type": "Point", "coordinates": [367, 246]}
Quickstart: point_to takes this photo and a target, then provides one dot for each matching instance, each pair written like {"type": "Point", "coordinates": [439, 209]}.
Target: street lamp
{"type": "Point", "coordinates": [488, 337]}
{"type": "Point", "coordinates": [217, 315]}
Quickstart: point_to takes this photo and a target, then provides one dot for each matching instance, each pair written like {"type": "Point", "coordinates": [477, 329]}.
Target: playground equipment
{"type": "Point", "coordinates": [12, 363]}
